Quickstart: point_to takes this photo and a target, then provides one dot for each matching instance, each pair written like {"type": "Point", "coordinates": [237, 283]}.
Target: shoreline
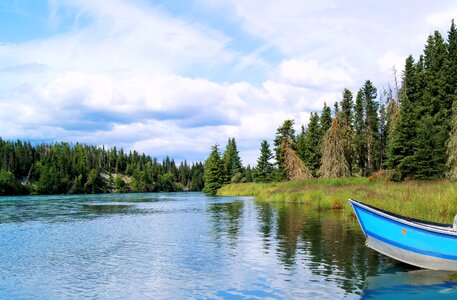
{"type": "Point", "coordinates": [427, 200]}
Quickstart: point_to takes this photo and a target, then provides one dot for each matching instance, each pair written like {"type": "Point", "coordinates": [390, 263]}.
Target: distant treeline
{"type": "Point", "coordinates": [408, 131]}
{"type": "Point", "coordinates": [62, 168]}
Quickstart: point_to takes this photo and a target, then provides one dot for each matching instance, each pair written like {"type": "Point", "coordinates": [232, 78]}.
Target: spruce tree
{"type": "Point", "coordinates": [451, 69]}
{"type": "Point", "coordinates": [285, 137]}
{"type": "Point", "coordinates": [427, 153]}
{"type": "Point", "coordinates": [312, 144]}
{"type": "Point", "coordinates": [264, 170]}
{"type": "Point", "coordinates": [360, 135]}
{"type": "Point", "coordinates": [347, 107]}
{"type": "Point", "coordinates": [452, 147]}
{"type": "Point", "coordinates": [231, 161]}
{"type": "Point", "coordinates": [300, 145]}
{"type": "Point", "coordinates": [214, 174]}
{"type": "Point", "coordinates": [326, 118]}
{"type": "Point", "coordinates": [372, 127]}
{"type": "Point", "coordinates": [290, 166]}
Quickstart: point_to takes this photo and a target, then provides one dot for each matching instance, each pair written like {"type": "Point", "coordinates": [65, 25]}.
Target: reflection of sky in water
{"type": "Point", "coordinates": [190, 246]}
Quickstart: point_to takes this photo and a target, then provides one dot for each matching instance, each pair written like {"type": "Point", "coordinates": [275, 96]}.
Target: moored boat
{"type": "Point", "coordinates": [423, 244]}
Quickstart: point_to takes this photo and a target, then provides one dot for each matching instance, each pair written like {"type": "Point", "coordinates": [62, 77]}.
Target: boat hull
{"type": "Point", "coordinates": [419, 244]}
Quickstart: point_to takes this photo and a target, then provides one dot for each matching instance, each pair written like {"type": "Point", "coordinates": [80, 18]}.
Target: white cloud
{"type": "Point", "coordinates": [120, 74]}
{"type": "Point", "coordinates": [389, 61]}
{"type": "Point", "coordinates": [123, 38]}
{"type": "Point", "coordinates": [310, 74]}
{"type": "Point", "coordinates": [440, 20]}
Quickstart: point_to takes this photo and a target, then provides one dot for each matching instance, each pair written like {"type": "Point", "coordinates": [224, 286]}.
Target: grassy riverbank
{"type": "Point", "coordinates": [428, 200]}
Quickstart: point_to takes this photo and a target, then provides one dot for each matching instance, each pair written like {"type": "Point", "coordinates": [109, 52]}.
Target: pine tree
{"type": "Point", "coordinates": [264, 170]}
{"type": "Point", "coordinates": [372, 127]}
{"type": "Point", "coordinates": [248, 176]}
{"type": "Point", "coordinates": [214, 173]}
{"type": "Point", "coordinates": [285, 137]}
{"type": "Point", "coordinates": [326, 119]}
{"type": "Point", "coordinates": [427, 153]}
{"type": "Point", "coordinates": [452, 147]}
{"type": "Point", "coordinates": [347, 133]}
{"type": "Point", "coordinates": [300, 145]}
{"type": "Point", "coordinates": [312, 144]}
{"type": "Point", "coordinates": [451, 69]}
{"type": "Point", "coordinates": [290, 166]}
{"type": "Point", "coordinates": [360, 139]}
{"type": "Point", "coordinates": [231, 161]}
{"type": "Point", "coordinates": [346, 107]}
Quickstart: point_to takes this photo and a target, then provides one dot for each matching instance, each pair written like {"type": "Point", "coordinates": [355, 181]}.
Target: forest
{"type": "Point", "coordinates": [62, 168]}
{"type": "Point", "coordinates": [407, 131]}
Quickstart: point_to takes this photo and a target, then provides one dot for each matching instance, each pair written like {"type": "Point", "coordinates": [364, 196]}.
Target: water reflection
{"type": "Point", "coordinates": [406, 285]}
{"type": "Point", "coordinates": [329, 246]}
{"type": "Point", "coordinates": [226, 220]}
{"type": "Point", "coordinates": [69, 208]}
{"type": "Point", "coordinates": [189, 246]}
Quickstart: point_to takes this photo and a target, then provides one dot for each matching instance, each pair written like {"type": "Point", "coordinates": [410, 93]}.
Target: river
{"type": "Point", "coordinates": [190, 246]}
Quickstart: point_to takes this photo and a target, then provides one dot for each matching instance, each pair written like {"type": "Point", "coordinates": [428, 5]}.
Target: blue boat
{"type": "Point", "coordinates": [423, 244]}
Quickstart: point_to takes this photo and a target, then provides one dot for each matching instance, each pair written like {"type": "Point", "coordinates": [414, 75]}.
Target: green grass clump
{"type": "Point", "coordinates": [428, 200]}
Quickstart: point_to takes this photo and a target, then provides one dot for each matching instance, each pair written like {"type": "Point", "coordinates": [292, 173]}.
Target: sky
{"type": "Point", "coordinates": [176, 77]}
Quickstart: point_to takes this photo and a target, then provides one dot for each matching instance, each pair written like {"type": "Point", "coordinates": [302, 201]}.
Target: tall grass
{"type": "Point", "coordinates": [428, 200]}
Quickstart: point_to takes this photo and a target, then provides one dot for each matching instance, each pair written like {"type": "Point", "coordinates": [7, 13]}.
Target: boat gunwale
{"type": "Point", "coordinates": [445, 229]}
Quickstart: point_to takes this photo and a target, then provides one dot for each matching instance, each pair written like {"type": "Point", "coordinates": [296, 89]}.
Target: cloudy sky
{"type": "Point", "coordinates": [175, 77]}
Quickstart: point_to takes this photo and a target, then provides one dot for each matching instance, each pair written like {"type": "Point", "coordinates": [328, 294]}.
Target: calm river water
{"type": "Point", "coordinates": [189, 246]}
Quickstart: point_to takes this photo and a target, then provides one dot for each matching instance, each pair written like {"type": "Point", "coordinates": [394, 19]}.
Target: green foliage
{"type": "Point", "coordinates": [418, 145]}
{"type": "Point", "coordinates": [62, 168]}
{"type": "Point", "coordinates": [311, 152]}
{"type": "Point", "coordinates": [9, 185]}
{"type": "Point", "coordinates": [214, 172]}
{"type": "Point", "coordinates": [166, 183]}
{"type": "Point", "coordinates": [231, 161]}
{"type": "Point", "coordinates": [346, 107]}
{"type": "Point", "coordinates": [285, 136]}
{"type": "Point", "coordinates": [452, 146]}
{"type": "Point", "coordinates": [427, 200]}
{"type": "Point", "coordinates": [326, 118]}
{"type": "Point", "coordinates": [265, 169]}
{"type": "Point", "coordinates": [120, 186]}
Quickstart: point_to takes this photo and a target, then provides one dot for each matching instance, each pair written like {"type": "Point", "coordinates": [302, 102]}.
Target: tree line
{"type": "Point", "coordinates": [408, 130]}
{"type": "Point", "coordinates": [62, 168]}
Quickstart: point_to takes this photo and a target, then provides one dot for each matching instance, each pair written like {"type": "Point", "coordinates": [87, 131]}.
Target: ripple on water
{"type": "Point", "coordinates": [181, 246]}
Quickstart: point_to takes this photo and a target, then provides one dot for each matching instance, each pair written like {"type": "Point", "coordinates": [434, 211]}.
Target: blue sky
{"type": "Point", "coordinates": [174, 77]}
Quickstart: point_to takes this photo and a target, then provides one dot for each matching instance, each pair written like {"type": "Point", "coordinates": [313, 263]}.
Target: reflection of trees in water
{"type": "Point", "coordinates": [330, 246]}
{"type": "Point", "coordinates": [290, 222]}
{"type": "Point", "coordinates": [265, 217]}
{"type": "Point", "coordinates": [225, 218]}
{"type": "Point", "coordinates": [337, 247]}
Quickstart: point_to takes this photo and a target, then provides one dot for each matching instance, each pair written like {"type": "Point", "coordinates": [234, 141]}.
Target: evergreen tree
{"type": "Point", "coordinates": [312, 144]}
{"type": "Point", "coordinates": [451, 69]}
{"type": "Point", "coordinates": [248, 176]}
{"type": "Point", "coordinates": [452, 146]}
{"type": "Point", "coordinates": [401, 147]}
{"type": "Point", "coordinates": [285, 138]}
{"type": "Point", "coordinates": [300, 145]}
{"type": "Point", "coordinates": [264, 171]}
{"type": "Point", "coordinates": [326, 119]}
{"type": "Point", "coordinates": [231, 161]}
{"type": "Point", "coordinates": [346, 107]}
{"type": "Point", "coordinates": [427, 153]}
{"type": "Point", "coordinates": [214, 173]}
{"type": "Point", "coordinates": [372, 127]}
{"type": "Point", "coordinates": [360, 138]}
